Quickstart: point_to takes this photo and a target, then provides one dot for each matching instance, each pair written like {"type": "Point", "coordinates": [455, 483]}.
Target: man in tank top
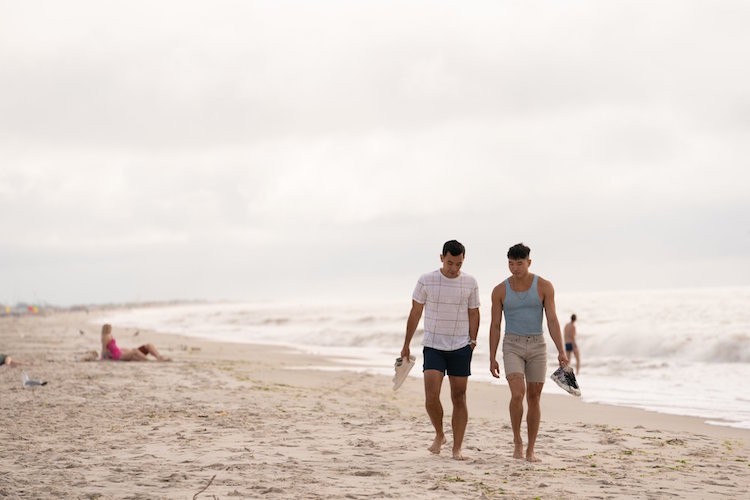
{"type": "Point", "coordinates": [524, 297]}
{"type": "Point", "coordinates": [450, 300]}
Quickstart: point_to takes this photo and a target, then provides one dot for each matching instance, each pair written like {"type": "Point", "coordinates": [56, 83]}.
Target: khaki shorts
{"type": "Point", "coordinates": [527, 355]}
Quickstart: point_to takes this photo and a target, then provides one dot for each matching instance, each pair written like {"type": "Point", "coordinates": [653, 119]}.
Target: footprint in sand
{"type": "Point", "coordinates": [368, 473]}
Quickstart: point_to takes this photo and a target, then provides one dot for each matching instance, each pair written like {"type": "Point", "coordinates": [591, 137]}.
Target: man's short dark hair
{"type": "Point", "coordinates": [519, 251]}
{"type": "Point", "coordinates": [454, 248]}
{"type": "Point", "coordinates": [573, 317]}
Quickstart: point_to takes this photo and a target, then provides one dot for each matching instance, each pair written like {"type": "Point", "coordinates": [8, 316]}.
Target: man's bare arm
{"type": "Point", "coordinates": [498, 295]}
{"type": "Point", "coordinates": [411, 326]}
{"type": "Point", "coordinates": [553, 325]}
{"type": "Point", "coordinates": [473, 325]}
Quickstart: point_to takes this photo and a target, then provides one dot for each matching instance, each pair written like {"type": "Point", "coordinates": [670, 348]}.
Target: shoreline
{"type": "Point", "coordinates": [569, 405]}
{"type": "Point", "coordinates": [261, 425]}
{"type": "Point", "coordinates": [383, 366]}
{"type": "Point", "coordinates": [662, 383]}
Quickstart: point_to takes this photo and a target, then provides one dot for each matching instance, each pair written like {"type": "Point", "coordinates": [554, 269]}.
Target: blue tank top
{"type": "Point", "coordinates": [523, 310]}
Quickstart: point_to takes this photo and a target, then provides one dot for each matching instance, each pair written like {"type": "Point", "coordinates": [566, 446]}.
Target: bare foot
{"type": "Point", "coordinates": [439, 441]}
{"type": "Point", "coordinates": [530, 457]}
{"type": "Point", "coordinates": [457, 455]}
{"type": "Point", "coordinates": [518, 451]}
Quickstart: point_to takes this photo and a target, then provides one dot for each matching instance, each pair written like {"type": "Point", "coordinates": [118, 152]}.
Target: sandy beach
{"type": "Point", "coordinates": [246, 421]}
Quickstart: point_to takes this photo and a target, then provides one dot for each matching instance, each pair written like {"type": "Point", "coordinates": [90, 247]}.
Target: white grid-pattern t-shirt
{"type": "Point", "coordinates": [446, 313]}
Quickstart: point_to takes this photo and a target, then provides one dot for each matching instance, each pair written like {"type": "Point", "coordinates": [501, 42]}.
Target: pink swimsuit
{"type": "Point", "coordinates": [114, 350]}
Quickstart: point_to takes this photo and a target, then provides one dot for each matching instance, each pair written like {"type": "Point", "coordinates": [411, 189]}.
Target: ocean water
{"type": "Point", "coordinates": [684, 352]}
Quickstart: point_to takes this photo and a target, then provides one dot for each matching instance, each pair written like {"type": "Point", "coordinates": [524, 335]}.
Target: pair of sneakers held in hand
{"type": "Point", "coordinates": [566, 379]}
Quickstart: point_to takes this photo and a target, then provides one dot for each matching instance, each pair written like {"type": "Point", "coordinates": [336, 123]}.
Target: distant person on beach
{"type": "Point", "coordinates": [570, 341]}
{"type": "Point", "coordinates": [450, 300]}
{"type": "Point", "coordinates": [523, 297]}
{"type": "Point", "coordinates": [111, 351]}
{"type": "Point", "coordinates": [6, 360]}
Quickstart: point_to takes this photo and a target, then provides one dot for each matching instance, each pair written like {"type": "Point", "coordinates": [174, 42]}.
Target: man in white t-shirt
{"type": "Point", "coordinates": [450, 300]}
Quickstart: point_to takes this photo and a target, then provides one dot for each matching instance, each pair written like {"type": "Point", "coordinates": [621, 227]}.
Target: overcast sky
{"type": "Point", "coordinates": [231, 150]}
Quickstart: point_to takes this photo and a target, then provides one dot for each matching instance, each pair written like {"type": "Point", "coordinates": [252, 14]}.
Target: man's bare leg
{"type": "Point", "coordinates": [533, 417]}
{"type": "Point", "coordinates": [460, 414]}
{"type": "Point", "coordinates": [433, 380]}
{"type": "Point", "coordinates": [517, 390]}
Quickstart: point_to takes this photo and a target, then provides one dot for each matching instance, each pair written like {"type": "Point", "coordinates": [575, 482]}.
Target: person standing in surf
{"type": "Point", "coordinates": [571, 345]}
{"type": "Point", "coordinates": [523, 297]}
{"type": "Point", "coordinates": [450, 301]}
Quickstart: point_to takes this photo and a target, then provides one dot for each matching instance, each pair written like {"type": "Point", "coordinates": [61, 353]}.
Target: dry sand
{"type": "Point", "coordinates": [246, 421]}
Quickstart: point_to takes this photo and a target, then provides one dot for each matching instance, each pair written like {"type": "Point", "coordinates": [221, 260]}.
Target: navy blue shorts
{"type": "Point", "coordinates": [457, 363]}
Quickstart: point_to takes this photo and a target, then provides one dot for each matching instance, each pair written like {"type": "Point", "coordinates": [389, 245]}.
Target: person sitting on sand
{"type": "Point", "coordinates": [7, 360]}
{"type": "Point", "coordinates": [111, 351]}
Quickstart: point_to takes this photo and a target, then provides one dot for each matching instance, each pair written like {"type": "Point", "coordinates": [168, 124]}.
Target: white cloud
{"type": "Point", "coordinates": [174, 140]}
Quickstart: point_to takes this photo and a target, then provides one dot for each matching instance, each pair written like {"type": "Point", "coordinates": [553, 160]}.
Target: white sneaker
{"type": "Point", "coordinates": [402, 369]}
{"type": "Point", "coordinates": [566, 379]}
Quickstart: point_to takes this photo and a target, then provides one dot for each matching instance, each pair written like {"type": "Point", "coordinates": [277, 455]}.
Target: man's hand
{"type": "Point", "coordinates": [562, 358]}
{"type": "Point", "coordinates": [494, 368]}
{"type": "Point", "coordinates": [405, 352]}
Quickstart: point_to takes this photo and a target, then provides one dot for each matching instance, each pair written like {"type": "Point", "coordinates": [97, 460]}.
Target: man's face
{"type": "Point", "coordinates": [451, 264]}
{"type": "Point", "coordinates": [519, 267]}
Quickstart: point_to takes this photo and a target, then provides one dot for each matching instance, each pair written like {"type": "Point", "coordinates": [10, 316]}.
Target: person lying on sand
{"type": "Point", "coordinates": [111, 351]}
